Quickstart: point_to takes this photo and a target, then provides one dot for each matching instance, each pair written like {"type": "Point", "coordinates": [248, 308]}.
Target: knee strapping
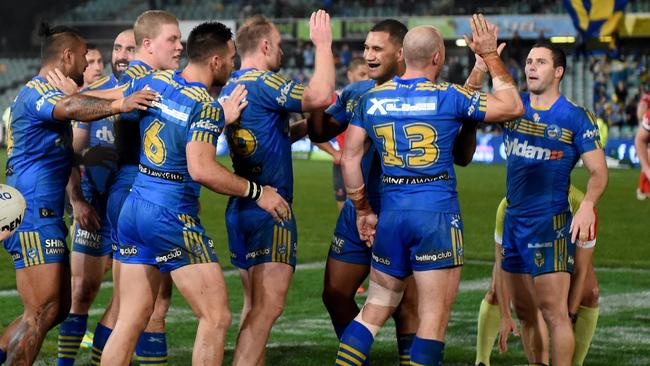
{"type": "Point", "coordinates": [380, 295]}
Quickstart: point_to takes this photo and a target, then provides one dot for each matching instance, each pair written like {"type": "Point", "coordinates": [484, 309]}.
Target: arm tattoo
{"type": "Point", "coordinates": [85, 108]}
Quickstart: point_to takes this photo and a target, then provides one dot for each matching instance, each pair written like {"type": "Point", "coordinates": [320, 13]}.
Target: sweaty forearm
{"type": "Point", "coordinates": [596, 186]}
{"type": "Point", "coordinates": [475, 79]}
{"type": "Point", "coordinates": [85, 108]}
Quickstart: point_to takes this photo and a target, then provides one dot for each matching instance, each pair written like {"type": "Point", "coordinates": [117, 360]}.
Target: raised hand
{"type": "Point", "coordinates": [234, 104]}
{"type": "Point", "coordinates": [320, 30]}
{"type": "Point", "coordinates": [484, 36]}
{"type": "Point", "coordinates": [274, 204]}
{"type": "Point", "coordinates": [58, 80]}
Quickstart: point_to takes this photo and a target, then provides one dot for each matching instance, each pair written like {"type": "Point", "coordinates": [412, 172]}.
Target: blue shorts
{"type": "Point", "coordinates": [98, 243]}
{"type": "Point", "coordinates": [346, 245]}
{"type": "Point", "coordinates": [408, 241]}
{"type": "Point", "coordinates": [118, 192]}
{"type": "Point", "coordinates": [46, 244]}
{"type": "Point", "coordinates": [158, 236]}
{"type": "Point", "coordinates": [255, 238]}
{"type": "Point", "coordinates": [538, 244]}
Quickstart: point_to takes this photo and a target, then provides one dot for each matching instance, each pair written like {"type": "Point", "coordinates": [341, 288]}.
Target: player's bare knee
{"type": "Point", "coordinates": [217, 320]}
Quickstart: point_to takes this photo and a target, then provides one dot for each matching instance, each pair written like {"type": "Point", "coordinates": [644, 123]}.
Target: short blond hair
{"type": "Point", "coordinates": [148, 24]}
{"type": "Point", "coordinates": [251, 32]}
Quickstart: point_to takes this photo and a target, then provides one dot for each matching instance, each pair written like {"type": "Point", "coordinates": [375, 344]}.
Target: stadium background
{"type": "Point", "coordinates": [599, 60]}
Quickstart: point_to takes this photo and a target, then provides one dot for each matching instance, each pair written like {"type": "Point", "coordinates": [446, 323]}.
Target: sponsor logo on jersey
{"type": "Point", "coordinates": [54, 246]}
{"type": "Point", "coordinates": [15, 256]}
{"type": "Point", "coordinates": [433, 257]}
{"type": "Point", "coordinates": [553, 132]}
{"type": "Point", "coordinates": [591, 134]}
{"type": "Point", "coordinates": [128, 250]}
{"type": "Point", "coordinates": [337, 244]}
{"type": "Point", "coordinates": [258, 253]}
{"type": "Point", "coordinates": [173, 254]}
{"type": "Point", "coordinates": [411, 106]}
{"type": "Point", "coordinates": [284, 92]}
{"type": "Point", "coordinates": [528, 151]}
{"type": "Point", "coordinates": [205, 125]}
{"type": "Point", "coordinates": [382, 260]}
{"type": "Point", "coordinates": [105, 134]}
{"type": "Point", "coordinates": [540, 245]}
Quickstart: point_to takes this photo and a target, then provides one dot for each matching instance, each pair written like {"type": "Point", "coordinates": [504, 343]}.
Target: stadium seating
{"type": "Point", "coordinates": [13, 74]}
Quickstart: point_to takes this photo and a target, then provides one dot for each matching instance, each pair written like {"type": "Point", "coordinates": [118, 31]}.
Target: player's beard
{"type": "Point", "coordinates": [116, 69]}
{"type": "Point", "coordinates": [78, 79]}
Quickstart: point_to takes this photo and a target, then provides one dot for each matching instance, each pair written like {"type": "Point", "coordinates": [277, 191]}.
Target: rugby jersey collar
{"type": "Point", "coordinates": [177, 74]}
{"type": "Point", "coordinates": [141, 63]}
{"type": "Point", "coordinates": [399, 80]}
{"type": "Point", "coordinates": [558, 101]}
{"type": "Point", "coordinates": [241, 72]}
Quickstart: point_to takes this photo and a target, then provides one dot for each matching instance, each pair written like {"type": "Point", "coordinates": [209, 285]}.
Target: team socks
{"type": "Point", "coordinates": [71, 332]}
{"type": "Point", "coordinates": [426, 352]}
{"type": "Point", "coordinates": [102, 333]}
{"type": "Point", "coordinates": [355, 345]}
{"type": "Point", "coordinates": [489, 319]}
{"type": "Point", "coordinates": [584, 330]}
{"type": "Point", "coordinates": [151, 349]}
{"type": "Point", "coordinates": [404, 342]}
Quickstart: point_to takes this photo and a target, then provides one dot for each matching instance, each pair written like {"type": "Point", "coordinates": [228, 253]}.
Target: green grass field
{"type": "Point", "coordinates": [303, 335]}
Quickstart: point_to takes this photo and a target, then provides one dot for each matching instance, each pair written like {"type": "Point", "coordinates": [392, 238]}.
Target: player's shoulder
{"type": "Point", "coordinates": [575, 112]}
{"type": "Point", "coordinates": [106, 82]}
{"type": "Point", "coordinates": [136, 70]}
{"type": "Point", "coordinates": [390, 85]}
{"type": "Point", "coordinates": [39, 86]}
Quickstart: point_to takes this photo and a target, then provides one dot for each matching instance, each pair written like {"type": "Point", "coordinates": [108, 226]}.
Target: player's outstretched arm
{"type": "Point", "coordinates": [584, 221]}
{"type": "Point", "coordinates": [207, 171]}
{"type": "Point", "coordinates": [641, 141]}
{"type": "Point", "coordinates": [319, 91]}
{"type": "Point", "coordinates": [298, 130]}
{"type": "Point", "coordinates": [322, 127]}
{"type": "Point", "coordinates": [328, 148]}
{"type": "Point", "coordinates": [504, 103]}
{"type": "Point", "coordinates": [85, 108]}
{"type": "Point", "coordinates": [69, 87]}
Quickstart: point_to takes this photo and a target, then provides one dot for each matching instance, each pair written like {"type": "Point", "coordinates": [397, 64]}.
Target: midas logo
{"type": "Point", "coordinates": [206, 125]}
{"type": "Point", "coordinates": [524, 150]}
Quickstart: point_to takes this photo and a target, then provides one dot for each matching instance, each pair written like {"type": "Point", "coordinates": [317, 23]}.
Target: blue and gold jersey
{"type": "Point", "coordinates": [127, 134]}
{"type": "Point", "coordinates": [185, 112]}
{"type": "Point", "coordinates": [342, 111]}
{"type": "Point", "coordinates": [260, 142]}
{"type": "Point", "coordinates": [413, 124]}
{"type": "Point", "coordinates": [39, 148]}
{"type": "Point", "coordinates": [101, 133]}
{"type": "Point", "coordinates": [542, 147]}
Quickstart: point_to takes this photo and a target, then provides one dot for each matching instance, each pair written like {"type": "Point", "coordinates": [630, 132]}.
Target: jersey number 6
{"type": "Point", "coordinates": [154, 146]}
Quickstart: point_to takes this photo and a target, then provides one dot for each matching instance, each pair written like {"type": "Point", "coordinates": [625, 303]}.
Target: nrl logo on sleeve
{"type": "Point", "coordinates": [399, 106]}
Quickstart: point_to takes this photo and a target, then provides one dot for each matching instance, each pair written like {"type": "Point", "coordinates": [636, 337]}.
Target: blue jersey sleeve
{"type": "Point", "coordinates": [207, 124]}
{"type": "Point", "coordinates": [469, 104]}
{"type": "Point", "coordinates": [45, 97]}
{"type": "Point", "coordinates": [358, 114]}
{"type": "Point", "coordinates": [281, 94]}
{"type": "Point", "coordinates": [129, 88]}
{"type": "Point", "coordinates": [587, 135]}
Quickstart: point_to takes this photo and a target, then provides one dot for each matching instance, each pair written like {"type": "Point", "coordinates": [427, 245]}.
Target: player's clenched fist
{"type": "Point", "coordinates": [484, 36]}
{"type": "Point", "coordinates": [271, 202]}
{"type": "Point", "coordinates": [234, 104]}
{"type": "Point", "coordinates": [320, 31]}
